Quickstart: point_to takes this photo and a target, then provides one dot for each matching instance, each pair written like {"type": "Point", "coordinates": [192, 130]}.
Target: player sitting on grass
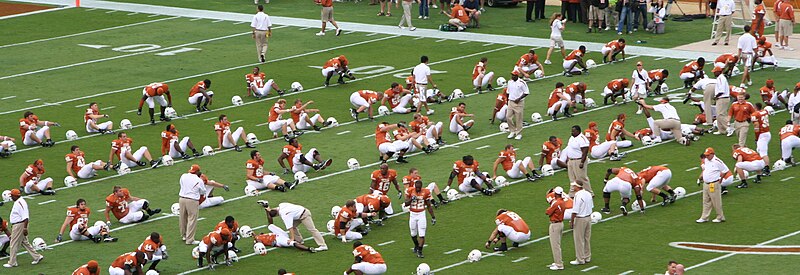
{"type": "Point", "coordinates": [303, 120]}
{"type": "Point", "coordinates": [259, 86]}
{"type": "Point", "coordinates": [470, 178]}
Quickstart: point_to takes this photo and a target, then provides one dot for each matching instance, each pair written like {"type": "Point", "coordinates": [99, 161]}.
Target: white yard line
{"type": "Point", "coordinates": [519, 260]}
{"type": "Point", "coordinates": [626, 272]}
{"type": "Point", "coordinates": [8, 97]}
{"type": "Point", "coordinates": [787, 178]}
{"type": "Point", "coordinates": [452, 251]}
{"type": "Point", "coordinates": [343, 132]}
{"type": "Point", "coordinates": [483, 147]}
{"type": "Point", "coordinates": [631, 162]}
{"type": "Point", "coordinates": [440, 40]}
{"type": "Point", "coordinates": [791, 69]}
{"type": "Point", "coordinates": [371, 34]}
{"type": "Point", "coordinates": [590, 268]}
{"type": "Point", "coordinates": [385, 243]}
{"type": "Point", "coordinates": [734, 253]}
{"type": "Point", "coordinates": [46, 202]}
{"type": "Point", "coordinates": [111, 11]}
{"type": "Point", "coordinates": [34, 12]}
{"type": "Point", "coordinates": [692, 169]}
{"type": "Point", "coordinates": [463, 42]}
{"type": "Point", "coordinates": [195, 19]}
{"type": "Point", "coordinates": [418, 38]}
{"type": "Point", "coordinates": [32, 100]}
{"type": "Point", "coordinates": [217, 21]}
{"type": "Point", "coordinates": [209, 118]}
{"type": "Point", "coordinates": [133, 13]}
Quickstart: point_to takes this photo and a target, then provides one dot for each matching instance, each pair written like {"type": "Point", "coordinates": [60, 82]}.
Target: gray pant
{"type": "Point", "coordinates": [17, 239]}
{"type": "Point", "coordinates": [668, 124]}
{"type": "Point", "coordinates": [556, 230]}
{"type": "Point", "coordinates": [708, 101]}
{"type": "Point", "coordinates": [308, 223]}
{"type": "Point", "coordinates": [406, 14]}
{"type": "Point", "coordinates": [262, 43]}
{"type": "Point", "coordinates": [741, 129]}
{"type": "Point", "coordinates": [188, 218]}
{"type": "Point", "coordinates": [582, 235]}
{"type": "Point", "coordinates": [712, 198]}
{"type": "Point", "coordinates": [722, 114]}
{"type": "Point", "coordinates": [724, 24]}
{"type": "Point", "coordinates": [514, 116]}
{"type": "Point", "coordinates": [575, 173]}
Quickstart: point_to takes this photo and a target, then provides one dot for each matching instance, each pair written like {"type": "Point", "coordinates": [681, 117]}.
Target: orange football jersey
{"type": "Point", "coordinates": [383, 181]}
{"type": "Point", "coordinates": [512, 220]}
{"type": "Point", "coordinates": [423, 196]}
{"type": "Point", "coordinates": [77, 161]}
{"type": "Point", "coordinates": [368, 254]}
{"type": "Point", "coordinates": [747, 154]}
{"type": "Point", "coordinates": [78, 216]}
{"type": "Point", "coordinates": [462, 170]}
{"type": "Point", "coordinates": [119, 205]}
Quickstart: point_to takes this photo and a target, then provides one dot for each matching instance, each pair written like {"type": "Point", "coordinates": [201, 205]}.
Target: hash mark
{"type": "Point", "coordinates": [587, 269]}
{"type": "Point", "coordinates": [385, 243]}
{"type": "Point", "coordinates": [788, 178]}
{"type": "Point", "coordinates": [453, 251]}
{"type": "Point", "coordinates": [519, 260]}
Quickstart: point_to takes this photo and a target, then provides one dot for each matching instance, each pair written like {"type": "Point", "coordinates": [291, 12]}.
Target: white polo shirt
{"type": "Point", "coordinates": [192, 187]}
{"type": "Point", "coordinates": [582, 203]}
{"type": "Point", "coordinates": [261, 21]}
{"type": "Point", "coordinates": [722, 88]}
{"type": "Point", "coordinates": [19, 212]}
{"type": "Point", "coordinates": [516, 89]}
{"type": "Point", "coordinates": [573, 150]}
{"type": "Point", "coordinates": [725, 7]}
{"type": "Point", "coordinates": [667, 110]}
{"type": "Point", "coordinates": [703, 82]}
{"type": "Point", "coordinates": [289, 213]}
{"type": "Point", "coordinates": [747, 43]}
{"type": "Point", "coordinates": [421, 73]}
{"type": "Point", "coordinates": [713, 169]}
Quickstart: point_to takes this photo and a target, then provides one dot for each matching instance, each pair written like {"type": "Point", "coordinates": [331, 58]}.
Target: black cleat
{"type": "Point", "coordinates": [155, 163]}
{"type": "Point", "coordinates": [401, 160]}
{"type": "Point", "coordinates": [141, 163]}
{"type": "Point", "coordinates": [624, 210]}
{"type": "Point", "coordinates": [724, 190]}
{"type": "Point", "coordinates": [237, 148]}
{"type": "Point", "coordinates": [758, 179]}
{"type": "Point", "coordinates": [742, 185]}
{"type": "Point", "coordinates": [317, 128]}
{"type": "Point", "coordinates": [605, 211]}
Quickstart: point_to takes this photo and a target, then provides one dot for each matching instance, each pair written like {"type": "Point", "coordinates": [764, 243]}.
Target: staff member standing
{"type": "Point", "coordinates": [740, 111]}
{"type": "Point", "coordinates": [724, 11]}
{"type": "Point", "coordinates": [422, 78]}
{"type": "Point", "coordinates": [192, 194]}
{"type": "Point", "coordinates": [327, 16]}
{"type": "Point", "coordinates": [292, 216]}
{"type": "Point", "coordinates": [406, 14]}
{"type": "Point", "coordinates": [581, 224]}
{"type": "Point", "coordinates": [713, 171]}
{"type": "Point", "coordinates": [556, 213]}
{"type": "Point", "coordinates": [262, 30]}
{"type": "Point", "coordinates": [517, 91]}
{"type": "Point", "coordinates": [747, 48]}
{"type": "Point", "coordinates": [19, 219]}
{"type": "Point", "coordinates": [576, 152]}
{"type": "Point", "coordinates": [722, 95]}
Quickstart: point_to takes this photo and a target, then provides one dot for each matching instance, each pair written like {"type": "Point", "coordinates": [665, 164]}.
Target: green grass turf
{"type": "Point", "coordinates": [638, 242]}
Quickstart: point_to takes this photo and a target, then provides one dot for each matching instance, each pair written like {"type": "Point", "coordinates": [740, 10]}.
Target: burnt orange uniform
{"type": "Point", "coordinates": [167, 139]}
{"type": "Point", "coordinates": [512, 220]}
{"type": "Point", "coordinates": [273, 113]}
{"type": "Point", "coordinates": [27, 124]}
{"type": "Point", "coordinates": [368, 95]}
{"type": "Point", "coordinates": [618, 84]}
{"type": "Point", "coordinates": [736, 91]}
{"type": "Point", "coordinates": [381, 136]}
{"type": "Point", "coordinates": [268, 239]}
{"type": "Point", "coordinates": [656, 75]}
{"type": "Point", "coordinates": [371, 203]}
{"type": "Point", "coordinates": [368, 254]}
{"type": "Point", "coordinates": [760, 121]}
{"type": "Point", "coordinates": [77, 161]}
{"type": "Point", "coordinates": [256, 79]}
{"type": "Point", "coordinates": [593, 136]}
{"type": "Point", "coordinates": [575, 88]}
{"type": "Point", "coordinates": [463, 170]}
{"type": "Point", "coordinates": [700, 118]}
{"type": "Point", "coordinates": [410, 84]}
{"type": "Point", "coordinates": [615, 46]}
{"type": "Point", "coordinates": [741, 111]}
{"type": "Point", "coordinates": [118, 144]}
{"type": "Point", "coordinates": [747, 154]}
{"type": "Point", "coordinates": [84, 270]}
{"type": "Point", "coordinates": [648, 173]}
{"type": "Point", "coordinates": [509, 157]}
{"type": "Point", "coordinates": [766, 93]}
{"type": "Point", "coordinates": [629, 176]}
{"type": "Point", "coordinates": [257, 166]}
{"type": "Point", "coordinates": [383, 181]}
{"type": "Point", "coordinates": [222, 225]}
{"type": "Point", "coordinates": [691, 67]}
{"type": "Point", "coordinates": [394, 97]}
{"type": "Point", "coordinates": [32, 172]}
{"type": "Point", "coordinates": [88, 113]}
{"type": "Point", "coordinates": [128, 259]}
{"type": "Point", "coordinates": [762, 49]}
{"type": "Point", "coordinates": [333, 62]}
{"type": "Point", "coordinates": [615, 125]}
{"type": "Point", "coordinates": [644, 132]}
{"type": "Point", "coordinates": [555, 96]}
{"type": "Point", "coordinates": [527, 59]}
{"type": "Point", "coordinates": [410, 179]}
{"type": "Point", "coordinates": [479, 69]}
{"type": "Point", "coordinates": [214, 239]}
{"type": "Point", "coordinates": [345, 216]}
{"type": "Point", "coordinates": [574, 54]}
{"type": "Point", "coordinates": [196, 88]}
{"type": "Point", "coordinates": [756, 26]}
{"type": "Point", "coordinates": [790, 130]}
{"type": "Point", "coordinates": [551, 150]}
{"type": "Point", "coordinates": [501, 100]}
{"type": "Point", "coordinates": [460, 13]}
{"type": "Point", "coordinates": [726, 58]}
{"type": "Point", "coordinates": [78, 216]}
{"type": "Point", "coordinates": [292, 151]}
{"type": "Point", "coordinates": [423, 196]}
{"type": "Point", "coordinates": [119, 205]}
{"type": "Point", "coordinates": [419, 127]}
{"type": "Point", "coordinates": [149, 246]}
{"type": "Point", "coordinates": [156, 89]}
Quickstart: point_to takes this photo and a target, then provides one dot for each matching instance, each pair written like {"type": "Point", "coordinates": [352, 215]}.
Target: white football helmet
{"type": "Point", "coordinates": [166, 160]}
{"type": "Point", "coordinates": [250, 191]}
{"type": "Point", "coordinates": [635, 205]}
{"type": "Point", "coordinates": [500, 181]}
{"type": "Point", "coordinates": [38, 244]}
{"type": "Point", "coordinates": [474, 256]}
{"type": "Point", "coordinates": [352, 163]}
{"type": "Point", "coordinates": [123, 169]}
{"type": "Point", "coordinates": [457, 93]}
{"type": "Point", "coordinates": [538, 74]}
{"type": "Point", "coordinates": [12, 147]}
{"type": "Point", "coordinates": [7, 196]}
{"type": "Point", "coordinates": [504, 127]}
{"type": "Point", "coordinates": [596, 217]}
{"type": "Point", "coordinates": [452, 194]}
{"type": "Point", "coordinates": [252, 138]}
{"type": "Point", "coordinates": [170, 112]}
{"type": "Point", "coordinates": [333, 122]}
{"type": "Point", "coordinates": [647, 141]}
{"type": "Point", "coordinates": [463, 136]}
{"type": "Point", "coordinates": [245, 231]}
{"type": "Point", "coordinates": [779, 165]}
{"type": "Point", "coordinates": [208, 151]}
{"type": "Point", "coordinates": [335, 211]}
{"type": "Point", "coordinates": [260, 249]}
{"type": "Point", "coordinates": [297, 86]}
{"type": "Point", "coordinates": [547, 170]}
{"type": "Point", "coordinates": [175, 209]}
{"type": "Point", "coordinates": [589, 103]}
{"type": "Point", "coordinates": [383, 110]}
{"type": "Point", "coordinates": [536, 117]}
{"type": "Point", "coordinates": [590, 63]}
{"type": "Point", "coordinates": [196, 252]}
{"type": "Point", "coordinates": [237, 100]}
{"type": "Point", "coordinates": [125, 124]}
{"type": "Point", "coordinates": [152, 272]}
{"type": "Point", "coordinates": [232, 256]}
{"type": "Point", "coordinates": [664, 88]}
{"type": "Point", "coordinates": [300, 177]}
{"type": "Point", "coordinates": [680, 192]}
{"type": "Point", "coordinates": [770, 110]}
{"type": "Point", "coordinates": [423, 269]}
{"type": "Point", "coordinates": [71, 135]}
{"type": "Point", "coordinates": [70, 181]}
{"type": "Point", "coordinates": [501, 81]}
{"type": "Point", "coordinates": [330, 226]}
{"type": "Point", "coordinates": [415, 101]}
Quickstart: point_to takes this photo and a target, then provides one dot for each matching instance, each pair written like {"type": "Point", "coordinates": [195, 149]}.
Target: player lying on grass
{"type": "Point", "coordinates": [277, 237]}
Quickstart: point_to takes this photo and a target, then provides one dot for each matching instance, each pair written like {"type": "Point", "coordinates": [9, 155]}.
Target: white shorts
{"type": "Point", "coordinates": [369, 268]}
{"type": "Point", "coordinates": [465, 185]}
{"type": "Point", "coordinates": [115, 271]}
{"type": "Point", "coordinates": [767, 60]}
{"type": "Point", "coordinates": [641, 89]}
{"type": "Point", "coordinates": [687, 76]}
{"type": "Point", "coordinates": [39, 134]}
{"type": "Point", "coordinates": [483, 80]}
{"type": "Point", "coordinates": [350, 234]}
{"type": "Point", "coordinates": [605, 50]}
{"type": "Point", "coordinates": [134, 212]}
{"type": "Point", "coordinates": [236, 135]}
{"type": "Point", "coordinates": [387, 147]}
{"type": "Point", "coordinates": [303, 124]}
{"type": "Point", "coordinates": [557, 107]}
{"type": "Point", "coordinates": [204, 248]}
{"type": "Point", "coordinates": [417, 222]}
{"type": "Point", "coordinates": [762, 144]}
{"type": "Point", "coordinates": [211, 201]}
{"type": "Point", "coordinates": [515, 172]}
{"type": "Point", "coordinates": [624, 143]}
{"type": "Point", "coordinates": [267, 180]}
{"type": "Point", "coordinates": [720, 65]}
{"type": "Point", "coordinates": [727, 181]}
{"type": "Point", "coordinates": [3, 239]}
{"type": "Point", "coordinates": [326, 71]}
{"type": "Point", "coordinates": [659, 180]}
{"type": "Point", "coordinates": [601, 150]}
{"type": "Point", "coordinates": [357, 101]}
{"type": "Point", "coordinates": [751, 166]}
{"type": "Point", "coordinates": [402, 104]}
{"type": "Point", "coordinates": [501, 115]}
{"type": "Point", "coordinates": [607, 91]}
{"type": "Point", "coordinates": [298, 166]}
{"type": "Point", "coordinates": [514, 236]}
{"type": "Point", "coordinates": [41, 184]}
{"type": "Point", "coordinates": [422, 92]}
{"type": "Point", "coordinates": [152, 100]}
{"type": "Point", "coordinates": [568, 63]}
{"type": "Point", "coordinates": [75, 232]}
{"type": "Point", "coordinates": [183, 144]}
{"type": "Point", "coordinates": [403, 145]}
{"type": "Point", "coordinates": [788, 144]}
{"type": "Point", "coordinates": [435, 127]}
{"type": "Point", "coordinates": [747, 59]}
{"type": "Point", "coordinates": [87, 171]}
{"type": "Point", "coordinates": [568, 214]}
{"type": "Point", "coordinates": [616, 184]}
{"type": "Point", "coordinates": [277, 126]}
{"type": "Point", "coordinates": [103, 126]}
{"type": "Point", "coordinates": [263, 91]}
{"type": "Point", "coordinates": [193, 99]}
{"type": "Point", "coordinates": [455, 128]}
{"type": "Point", "coordinates": [136, 155]}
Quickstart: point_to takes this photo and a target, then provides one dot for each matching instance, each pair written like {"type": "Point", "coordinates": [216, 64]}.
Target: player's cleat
{"type": "Point", "coordinates": [419, 254]}
{"type": "Point", "coordinates": [326, 163]}
{"type": "Point", "coordinates": [614, 158]}
{"type": "Point", "coordinates": [237, 148]}
{"type": "Point", "coordinates": [435, 203]}
{"type": "Point", "coordinates": [152, 122]}
{"type": "Point", "coordinates": [236, 250]}
{"type": "Point", "coordinates": [153, 211]}
{"type": "Point", "coordinates": [163, 118]}
{"type": "Point", "coordinates": [280, 188]}
{"type": "Point", "coordinates": [249, 145]}
{"type": "Point", "coordinates": [139, 112]}
{"type": "Point", "coordinates": [97, 239]}
{"type": "Point", "coordinates": [401, 160]}
{"type": "Point", "coordinates": [316, 128]}
{"type": "Point", "coordinates": [141, 163]}
{"type": "Point", "coordinates": [354, 113]}
{"type": "Point", "coordinates": [742, 185]}
{"type": "Point", "coordinates": [490, 88]}
{"type": "Point", "coordinates": [205, 109]}
{"type": "Point", "coordinates": [605, 210]}
{"type": "Point", "coordinates": [326, 84]}
{"type": "Point", "coordinates": [758, 179]}
{"type": "Point", "coordinates": [107, 167]}
{"type": "Point", "coordinates": [665, 202]}
{"type": "Point", "coordinates": [263, 203]}
{"type": "Point", "coordinates": [724, 190]}
{"type": "Point", "coordinates": [338, 31]}
{"type": "Point", "coordinates": [281, 92]}
{"type": "Point", "coordinates": [297, 133]}
{"type": "Point", "coordinates": [109, 239]}
{"type": "Point", "coordinates": [486, 192]}
{"type": "Point", "coordinates": [673, 198]}
{"type": "Point", "coordinates": [531, 178]}
{"type": "Point", "coordinates": [155, 163]}
{"type": "Point", "coordinates": [196, 154]}
{"type": "Point", "coordinates": [624, 210]}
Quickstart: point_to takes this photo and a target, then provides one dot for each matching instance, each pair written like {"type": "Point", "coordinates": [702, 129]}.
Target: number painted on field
{"type": "Point", "coordinates": [177, 51]}
{"type": "Point", "coordinates": [371, 69]}
{"type": "Point", "coordinates": [136, 48]}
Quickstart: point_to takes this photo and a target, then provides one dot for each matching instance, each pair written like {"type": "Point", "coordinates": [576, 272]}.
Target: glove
{"type": "Point", "coordinates": [56, 124]}
{"type": "Point", "coordinates": [226, 188]}
{"type": "Point", "coordinates": [400, 124]}
{"type": "Point", "coordinates": [605, 180]}
{"type": "Point", "coordinates": [165, 255]}
{"type": "Point", "coordinates": [105, 116]}
{"type": "Point", "coordinates": [698, 182]}
{"type": "Point", "coordinates": [433, 221]}
{"type": "Point", "coordinates": [139, 112]}
{"type": "Point", "coordinates": [59, 238]}
{"type": "Point", "coordinates": [108, 224]}
{"type": "Point", "coordinates": [285, 171]}
{"type": "Point", "coordinates": [399, 195]}
{"type": "Point", "coordinates": [271, 174]}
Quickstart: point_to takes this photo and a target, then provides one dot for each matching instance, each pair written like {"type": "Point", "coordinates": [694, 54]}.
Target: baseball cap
{"type": "Point", "coordinates": [638, 63]}
{"type": "Point", "coordinates": [558, 190]}
{"type": "Point", "coordinates": [797, 86]}
{"type": "Point", "coordinates": [15, 192]}
{"type": "Point", "coordinates": [709, 150]}
{"type": "Point", "coordinates": [716, 69]}
{"type": "Point", "coordinates": [576, 184]}
{"type": "Point", "coordinates": [194, 169]}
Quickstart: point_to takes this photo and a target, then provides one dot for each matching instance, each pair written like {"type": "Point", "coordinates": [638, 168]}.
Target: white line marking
{"type": "Point", "coordinates": [8, 97]}
{"type": "Point", "coordinates": [744, 249]}
{"type": "Point", "coordinates": [304, 28]}
{"type": "Point", "coordinates": [262, 124]}
{"type": "Point", "coordinates": [659, 58]}
{"type": "Point", "coordinates": [734, 253]}
{"type": "Point", "coordinates": [664, 164]}
{"type": "Point", "coordinates": [626, 272]}
{"type": "Point", "coordinates": [349, 32]}
{"type": "Point", "coordinates": [92, 9]}
{"type": "Point", "coordinates": [692, 169]}
{"type": "Point", "coordinates": [452, 251]}
{"type": "Point", "coordinates": [201, 218]}
{"type": "Point", "coordinates": [343, 132]}
{"type": "Point", "coordinates": [418, 38]}
{"type": "Point", "coordinates": [153, 15]}
{"type": "Point", "coordinates": [368, 136]}
{"type": "Point", "coordinates": [209, 118]}
{"type": "Point", "coordinates": [130, 111]}
{"type": "Point", "coordinates": [385, 243]}
{"type": "Point", "coordinates": [371, 34]}
{"type": "Point", "coordinates": [109, 107]}
{"type": "Point", "coordinates": [464, 42]}
{"type": "Point", "coordinates": [519, 260]}
{"type": "Point", "coordinates": [788, 178]}
{"type": "Point", "coordinates": [483, 147]}
{"type": "Point", "coordinates": [630, 162]}
{"type": "Point", "coordinates": [195, 19]}
{"type": "Point", "coordinates": [441, 40]}
{"type": "Point", "coordinates": [237, 121]}
{"type": "Point", "coordinates": [488, 44]}
{"type": "Point", "coordinates": [587, 269]}
{"type": "Point", "coordinates": [32, 100]}
{"type": "Point", "coordinates": [217, 21]}
{"type": "Point", "coordinates": [791, 69]}
{"type": "Point", "coordinates": [239, 23]}
{"type": "Point", "coordinates": [133, 13]}
{"type": "Point", "coordinates": [111, 11]}
{"type": "Point", "coordinates": [80, 105]}
{"type": "Point", "coordinates": [46, 202]}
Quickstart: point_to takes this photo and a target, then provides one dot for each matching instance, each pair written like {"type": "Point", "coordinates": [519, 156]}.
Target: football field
{"type": "Point", "coordinates": [107, 56]}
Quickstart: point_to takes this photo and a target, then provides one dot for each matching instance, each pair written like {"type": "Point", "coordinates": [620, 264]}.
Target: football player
{"type": "Point", "coordinates": [500, 106]}
{"type": "Point", "coordinates": [726, 62]}
{"type": "Point", "coordinates": [78, 168]}
{"type": "Point", "coordinates": [226, 138]}
{"type": "Point", "coordinates": [376, 203]}
{"type": "Point", "coordinates": [173, 145]}
{"type": "Point", "coordinates": [261, 179]}
{"type": "Point", "coordinates": [154, 249]}
{"type": "Point", "coordinates": [747, 160]}
{"type": "Point", "coordinates": [126, 208]}
{"type": "Point", "coordinates": [413, 175]}
{"type": "Point", "coordinates": [299, 162]}
{"type": "Point", "coordinates": [382, 178]}
{"type": "Point", "coordinates": [771, 97]}
{"type": "Point", "coordinates": [559, 101]}
{"type": "Point", "coordinates": [576, 92]}
{"type": "Point", "coordinates": [121, 147]}
{"type": "Point", "coordinates": [551, 151]}
{"type": "Point", "coordinates": [398, 99]}
{"type": "Point", "coordinates": [90, 268]}
{"type": "Point", "coordinates": [90, 118]}
{"type": "Point", "coordinates": [278, 237]}
{"type": "Point", "coordinates": [383, 140]}
{"type": "Point", "coordinates": [34, 131]}
{"type": "Point", "coordinates": [367, 260]}
{"type": "Point", "coordinates": [407, 141]}
{"type": "Point", "coordinates": [5, 237]}
{"type": "Point", "coordinates": [421, 124]}
{"type": "Point", "coordinates": [277, 123]}
{"type": "Point", "coordinates": [77, 221]}
{"type": "Point", "coordinates": [611, 49]}
{"type": "Point", "coordinates": [258, 85]}
{"type": "Point", "coordinates": [573, 60]}
{"type": "Point", "coordinates": [614, 89]}
{"type": "Point", "coordinates": [346, 225]}
{"type": "Point", "coordinates": [200, 96]}
{"type": "Point", "coordinates": [457, 115]}
{"type": "Point", "coordinates": [231, 225]}
{"type": "Point", "coordinates": [515, 168]}
{"type": "Point", "coordinates": [337, 65]}
{"type": "Point", "coordinates": [5, 146]}
{"type": "Point", "coordinates": [300, 116]}
{"type": "Point", "coordinates": [692, 72]}
{"type": "Point", "coordinates": [210, 198]}
{"type": "Point", "coordinates": [760, 119]}
{"type": "Point", "coordinates": [362, 101]}
{"type": "Point", "coordinates": [417, 199]}
{"type": "Point", "coordinates": [480, 76]}
{"type": "Point", "coordinates": [152, 93]}
{"type": "Point", "coordinates": [526, 65]}
{"type": "Point", "coordinates": [213, 245]}
{"type": "Point", "coordinates": [600, 150]}
{"type": "Point", "coordinates": [617, 132]}
{"type": "Point", "coordinates": [31, 180]}
{"type": "Point", "coordinates": [510, 226]}
{"type": "Point", "coordinates": [128, 263]}
{"type": "Point", "coordinates": [762, 58]}
{"type": "Point", "coordinates": [658, 76]}
{"type": "Point", "coordinates": [624, 181]}
{"type": "Point", "coordinates": [469, 177]}
{"type": "Point", "coordinates": [789, 140]}
{"type": "Point", "coordinates": [657, 177]}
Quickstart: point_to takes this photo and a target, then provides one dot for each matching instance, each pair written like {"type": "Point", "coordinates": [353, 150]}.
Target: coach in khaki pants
{"type": "Point", "coordinates": [293, 215]}
{"type": "Point", "coordinates": [262, 30]}
{"type": "Point", "coordinates": [556, 213]}
{"type": "Point", "coordinates": [713, 170]}
{"type": "Point", "coordinates": [19, 230]}
{"type": "Point", "coordinates": [576, 153]}
{"type": "Point", "coordinates": [406, 14]}
{"type": "Point", "coordinates": [191, 195]}
{"type": "Point", "coordinates": [517, 91]}
{"type": "Point", "coordinates": [722, 95]}
{"type": "Point", "coordinates": [581, 224]}
{"type": "Point", "coordinates": [740, 112]}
